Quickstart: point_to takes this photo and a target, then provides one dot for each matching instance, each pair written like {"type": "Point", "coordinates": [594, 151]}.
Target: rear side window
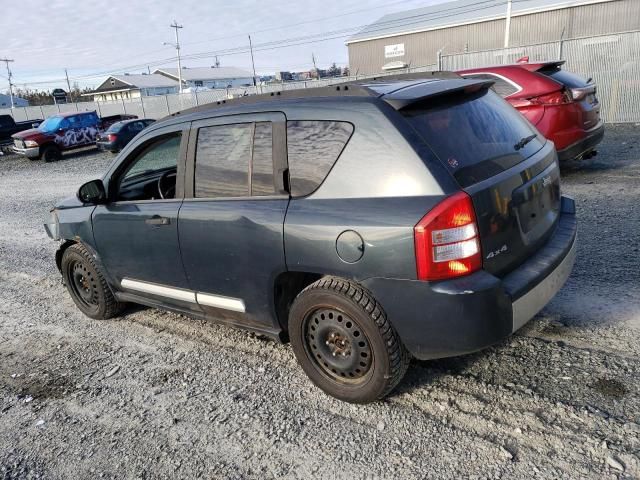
{"type": "Point", "coordinates": [313, 148]}
{"type": "Point", "coordinates": [475, 136]}
{"type": "Point", "coordinates": [235, 161]}
{"type": "Point", "coordinates": [568, 79]}
{"type": "Point", "coordinates": [500, 85]}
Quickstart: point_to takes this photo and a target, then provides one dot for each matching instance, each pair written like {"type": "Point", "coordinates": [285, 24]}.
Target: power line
{"type": "Point", "coordinates": [315, 38]}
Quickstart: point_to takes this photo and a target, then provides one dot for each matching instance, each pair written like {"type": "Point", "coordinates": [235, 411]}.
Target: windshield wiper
{"type": "Point", "coordinates": [523, 141]}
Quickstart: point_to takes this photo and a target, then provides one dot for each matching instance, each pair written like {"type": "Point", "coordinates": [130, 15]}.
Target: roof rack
{"type": "Point", "coordinates": [356, 88]}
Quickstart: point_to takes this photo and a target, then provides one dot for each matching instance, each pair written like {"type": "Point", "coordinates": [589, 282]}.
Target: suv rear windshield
{"type": "Point", "coordinates": [475, 136]}
{"type": "Point", "coordinates": [568, 79]}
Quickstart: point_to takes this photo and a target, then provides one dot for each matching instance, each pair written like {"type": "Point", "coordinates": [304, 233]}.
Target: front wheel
{"type": "Point", "coordinates": [344, 341]}
{"type": "Point", "coordinates": [86, 284]}
{"type": "Point", "coordinates": [51, 153]}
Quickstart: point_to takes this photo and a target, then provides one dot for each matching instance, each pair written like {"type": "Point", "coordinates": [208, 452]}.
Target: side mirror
{"type": "Point", "coordinates": [92, 192]}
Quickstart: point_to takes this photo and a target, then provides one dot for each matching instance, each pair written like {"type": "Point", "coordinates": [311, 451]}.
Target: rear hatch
{"type": "Point", "coordinates": [504, 164]}
{"type": "Point", "coordinates": [582, 92]}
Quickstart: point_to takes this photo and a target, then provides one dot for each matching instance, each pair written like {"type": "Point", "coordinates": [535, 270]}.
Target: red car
{"type": "Point", "coordinates": [62, 132]}
{"type": "Point", "coordinates": [562, 105]}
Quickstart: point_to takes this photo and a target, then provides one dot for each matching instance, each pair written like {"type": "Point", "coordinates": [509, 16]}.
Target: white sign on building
{"type": "Point", "coordinates": [396, 50]}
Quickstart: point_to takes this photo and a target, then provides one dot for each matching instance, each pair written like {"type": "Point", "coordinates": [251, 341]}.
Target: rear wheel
{"type": "Point", "coordinates": [344, 341]}
{"type": "Point", "coordinates": [86, 284]}
{"type": "Point", "coordinates": [51, 153]}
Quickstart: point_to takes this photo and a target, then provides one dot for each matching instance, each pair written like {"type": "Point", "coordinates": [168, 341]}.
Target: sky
{"type": "Point", "coordinates": [93, 39]}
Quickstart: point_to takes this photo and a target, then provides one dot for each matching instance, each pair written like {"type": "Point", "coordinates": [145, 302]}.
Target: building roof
{"type": "Point", "coordinates": [136, 81]}
{"type": "Point", "coordinates": [455, 13]}
{"type": "Point", "coordinates": [205, 73]}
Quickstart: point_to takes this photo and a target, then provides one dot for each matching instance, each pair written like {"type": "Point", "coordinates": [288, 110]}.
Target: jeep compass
{"type": "Point", "coordinates": [365, 223]}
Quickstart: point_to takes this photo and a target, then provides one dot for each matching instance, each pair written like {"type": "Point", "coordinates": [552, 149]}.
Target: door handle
{"type": "Point", "coordinates": [157, 220]}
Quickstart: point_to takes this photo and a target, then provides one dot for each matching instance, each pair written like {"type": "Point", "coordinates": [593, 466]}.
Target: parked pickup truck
{"type": "Point", "coordinates": [62, 132]}
{"type": "Point", "coordinates": [8, 127]}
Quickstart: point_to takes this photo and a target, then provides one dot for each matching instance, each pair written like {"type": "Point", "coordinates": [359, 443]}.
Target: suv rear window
{"type": "Point", "coordinates": [475, 136]}
{"type": "Point", "coordinates": [568, 79]}
{"type": "Point", "coordinates": [313, 148]}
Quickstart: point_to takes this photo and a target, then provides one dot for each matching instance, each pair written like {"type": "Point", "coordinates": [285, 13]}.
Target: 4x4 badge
{"type": "Point", "coordinates": [546, 181]}
{"type": "Point", "coordinates": [495, 253]}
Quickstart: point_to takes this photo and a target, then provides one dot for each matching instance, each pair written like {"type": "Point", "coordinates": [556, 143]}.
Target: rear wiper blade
{"type": "Point", "coordinates": [523, 141]}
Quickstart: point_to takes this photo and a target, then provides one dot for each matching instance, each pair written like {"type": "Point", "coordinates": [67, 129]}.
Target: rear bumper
{"type": "Point", "coordinates": [107, 146]}
{"type": "Point", "coordinates": [592, 138]}
{"type": "Point", "coordinates": [454, 317]}
{"type": "Point", "coordinates": [31, 152]}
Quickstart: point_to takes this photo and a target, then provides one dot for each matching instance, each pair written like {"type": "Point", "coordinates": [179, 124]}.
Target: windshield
{"type": "Point", "coordinates": [51, 124]}
{"type": "Point", "coordinates": [475, 136]}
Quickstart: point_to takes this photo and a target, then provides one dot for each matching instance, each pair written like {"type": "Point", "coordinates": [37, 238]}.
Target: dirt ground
{"type": "Point", "coordinates": [157, 395]}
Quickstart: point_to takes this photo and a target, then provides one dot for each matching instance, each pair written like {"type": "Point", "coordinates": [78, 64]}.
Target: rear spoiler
{"type": "Point", "coordinates": [419, 92]}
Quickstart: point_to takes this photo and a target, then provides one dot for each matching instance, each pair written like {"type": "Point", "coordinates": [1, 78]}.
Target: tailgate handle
{"type": "Point", "coordinates": [157, 220]}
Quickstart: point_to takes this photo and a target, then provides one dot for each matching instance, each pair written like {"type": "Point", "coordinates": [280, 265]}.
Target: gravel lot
{"type": "Point", "coordinates": [158, 395]}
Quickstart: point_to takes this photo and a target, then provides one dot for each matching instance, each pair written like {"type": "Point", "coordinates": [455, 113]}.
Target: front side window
{"type": "Point", "coordinates": [51, 124]}
{"type": "Point", "coordinates": [159, 156]}
{"type": "Point", "coordinates": [313, 147]}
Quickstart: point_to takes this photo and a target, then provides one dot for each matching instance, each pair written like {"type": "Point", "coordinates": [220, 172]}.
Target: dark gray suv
{"type": "Point", "coordinates": [366, 223]}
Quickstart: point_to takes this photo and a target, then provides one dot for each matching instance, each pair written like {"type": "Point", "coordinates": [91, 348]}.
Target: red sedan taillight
{"type": "Point", "coordinates": [446, 240]}
{"type": "Point", "coordinates": [111, 137]}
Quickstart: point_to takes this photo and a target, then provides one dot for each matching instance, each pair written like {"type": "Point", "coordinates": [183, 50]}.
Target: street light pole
{"type": "Point", "coordinates": [7, 61]}
{"type": "Point", "coordinates": [175, 26]}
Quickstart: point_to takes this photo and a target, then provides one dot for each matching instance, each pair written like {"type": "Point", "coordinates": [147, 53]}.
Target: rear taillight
{"type": "Point", "coordinates": [560, 97]}
{"type": "Point", "coordinates": [446, 240]}
{"type": "Point", "coordinates": [111, 137]}
{"type": "Point", "coordinates": [581, 93]}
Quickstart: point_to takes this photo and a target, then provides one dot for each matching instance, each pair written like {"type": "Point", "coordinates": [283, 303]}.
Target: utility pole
{"type": "Point", "coordinates": [7, 61]}
{"type": "Point", "coordinates": [68, 85]}
{"type": "Point", "coordinates": [315, 68]}
{"type": "Point", "coordinates": [217, 64]}
{"type": "Point", "coordinates": [253, 63]}
{"type": "Point", "coordinates": [507, 26]}
{"type": "Point", "coordinates": [177, 47]}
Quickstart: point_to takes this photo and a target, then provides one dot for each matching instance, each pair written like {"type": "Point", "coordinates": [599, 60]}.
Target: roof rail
{"type": "Point", "coordinates": [346, 89]}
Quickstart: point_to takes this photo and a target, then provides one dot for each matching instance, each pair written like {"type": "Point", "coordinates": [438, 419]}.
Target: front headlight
{"type": "Point", "coordinates": [30, 143]}
{"type": "Point", "coordinates": [52, 227]}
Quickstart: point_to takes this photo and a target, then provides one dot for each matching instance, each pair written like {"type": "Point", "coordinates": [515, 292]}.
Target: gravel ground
{"type": "Point", "coordinates": [158, 395]}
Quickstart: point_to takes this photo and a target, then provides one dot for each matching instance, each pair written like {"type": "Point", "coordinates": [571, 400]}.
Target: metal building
{"type": "Point", "coordinates": [413, 38]}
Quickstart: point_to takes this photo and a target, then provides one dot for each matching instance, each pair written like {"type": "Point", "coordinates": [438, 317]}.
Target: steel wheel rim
{"type": "Point", "coordinates": [83, 284]}
{"type": "Point", "coordinates": [337, 345]}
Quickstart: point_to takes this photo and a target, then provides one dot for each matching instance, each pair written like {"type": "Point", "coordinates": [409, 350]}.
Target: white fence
{"type": "Point", "coordinates": [613, 61]}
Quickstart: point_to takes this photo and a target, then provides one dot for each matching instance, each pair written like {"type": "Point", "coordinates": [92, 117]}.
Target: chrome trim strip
{"type": "Point", "coordinates": [160, 290]}
{"type": "Point", "coordinates": [526, 307]}
{"type": "Point", "coordinates": [219, 301]}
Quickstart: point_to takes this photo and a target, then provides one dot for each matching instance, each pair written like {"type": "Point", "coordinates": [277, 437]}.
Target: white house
{"type": "Point", "coordinates": [5, 101]}
{"type": "Point", "coordinates": [118, 87]}
{"type": "Point", "coordinates": [209, 77]}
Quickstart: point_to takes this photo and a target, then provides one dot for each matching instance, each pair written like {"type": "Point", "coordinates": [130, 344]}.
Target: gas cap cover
{"type": "Point", "coordinates": [350, 246]}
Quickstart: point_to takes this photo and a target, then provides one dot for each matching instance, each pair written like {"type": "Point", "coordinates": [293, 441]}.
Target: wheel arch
{"type": "Point", "coordinates": [286, 288]}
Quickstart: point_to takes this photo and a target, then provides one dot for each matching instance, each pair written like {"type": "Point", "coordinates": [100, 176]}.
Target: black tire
{"type": "Point", "coordinates": [344, 342]}
{"type": "Point", "coordinates": [86, 284]}
{"type": "Point", "coordinates": [50, 153]}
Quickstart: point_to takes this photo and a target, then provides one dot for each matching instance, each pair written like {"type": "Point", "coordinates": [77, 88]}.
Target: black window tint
{"type": "Point", "coordinates": [262, 169]}
{"type": "Point", "coordinates": [568, 79]}
{"type": "Point", "coordinates": [313, 147]}
{"type": "Point", "coordinates": [223, 154]}
{"type": "Point", "coordinates": [475, 136]}
{"type": "Point", "coordinates": [500, 86]}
